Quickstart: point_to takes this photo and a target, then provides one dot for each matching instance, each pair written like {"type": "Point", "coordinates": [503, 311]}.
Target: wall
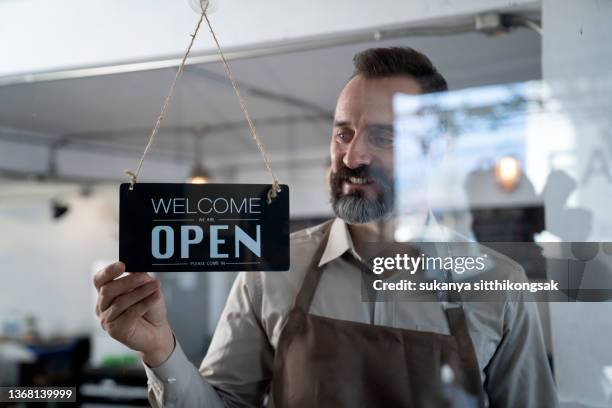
{"type": "Point", "coordinates": [46, 264]}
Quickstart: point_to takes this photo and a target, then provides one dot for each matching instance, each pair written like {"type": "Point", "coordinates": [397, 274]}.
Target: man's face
{"type": "Point", "coordinates": [361, 148]}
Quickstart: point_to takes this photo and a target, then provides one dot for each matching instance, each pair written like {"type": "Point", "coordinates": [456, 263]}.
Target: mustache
{"type": "Point", "coordinates": [376, 174]}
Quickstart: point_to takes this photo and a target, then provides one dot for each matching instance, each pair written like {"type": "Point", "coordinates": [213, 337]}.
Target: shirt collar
{"type": "Point", "coordinates": [340, 240]}
{"type": "Point", "coordinates": [338, 243]}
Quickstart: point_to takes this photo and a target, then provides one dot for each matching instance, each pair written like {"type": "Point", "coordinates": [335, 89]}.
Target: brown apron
{"type": "Point", "coordinates": [325, 362]}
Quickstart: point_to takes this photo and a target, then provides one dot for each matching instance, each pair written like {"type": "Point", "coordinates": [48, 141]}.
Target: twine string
{"type": "Point", "coordinates": [275, 189]}
{"type": "Point", "coordinates": [134, 174]}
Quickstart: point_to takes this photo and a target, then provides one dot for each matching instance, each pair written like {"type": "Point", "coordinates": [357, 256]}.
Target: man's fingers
{"type": "Point", "coordinates": [118, 287]}
{"type": "Point", "coordinates": [127, 300]}
{"type": "Point", "coordinates": [105, 275]}
{"type": "Point", "coordinates": [142, 307]}
{"type": "Point", "coordinates": [125, 324]}
{"type": "Point", "coordinates": [134, 312]}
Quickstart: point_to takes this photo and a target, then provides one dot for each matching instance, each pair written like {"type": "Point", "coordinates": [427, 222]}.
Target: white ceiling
{"type": "Point", "coordinates": [119, 110]}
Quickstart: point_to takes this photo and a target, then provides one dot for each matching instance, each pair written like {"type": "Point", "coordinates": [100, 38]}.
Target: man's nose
{"type": "Point", "coordinates": [357, 153]}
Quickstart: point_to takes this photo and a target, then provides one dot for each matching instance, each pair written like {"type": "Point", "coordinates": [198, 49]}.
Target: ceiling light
{"type": "Point", "coordinates": [508, 173]}
{"type": "Point", "coordinates": [199, 175]}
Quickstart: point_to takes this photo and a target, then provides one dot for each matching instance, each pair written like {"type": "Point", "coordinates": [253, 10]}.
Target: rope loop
{"type": "Point", "coordinates": [275, 188]}
{"type": "Point", "coordinates": [273, 191]}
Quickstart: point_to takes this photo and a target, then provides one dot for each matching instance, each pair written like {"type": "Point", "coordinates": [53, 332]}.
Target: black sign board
{"type": "Point", "coordinates": [203, 227]}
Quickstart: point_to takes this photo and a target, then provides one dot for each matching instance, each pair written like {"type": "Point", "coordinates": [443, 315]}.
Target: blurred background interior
{"type": "Point", "coordinates": [81, 84]}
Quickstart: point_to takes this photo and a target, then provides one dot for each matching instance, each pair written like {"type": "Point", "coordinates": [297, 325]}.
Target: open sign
{"type": "Point", "coordinates": [203, 227]}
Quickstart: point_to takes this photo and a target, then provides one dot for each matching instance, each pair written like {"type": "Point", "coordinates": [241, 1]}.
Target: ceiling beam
{"type": "Point", "coordinates": [252, 51]}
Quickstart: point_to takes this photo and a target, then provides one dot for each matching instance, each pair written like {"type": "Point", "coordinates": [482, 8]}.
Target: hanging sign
{"type": "Point", "coordinates": [203, 227]}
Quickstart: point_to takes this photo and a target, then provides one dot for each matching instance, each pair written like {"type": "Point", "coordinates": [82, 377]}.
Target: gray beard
{"type": "Point", "coordinates": [359, 210]}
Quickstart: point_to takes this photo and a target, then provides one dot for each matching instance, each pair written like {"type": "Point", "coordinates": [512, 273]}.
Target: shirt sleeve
{"type": "Point", "coordinates": [519, 374]}
{"type": "Point", "coordinates": [177, 383]}
{"type": "Point", "coordinates": [236, 371]}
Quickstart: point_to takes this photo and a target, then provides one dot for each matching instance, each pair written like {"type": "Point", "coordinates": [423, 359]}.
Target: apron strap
{"type": "Point", "coordinates": [459, 330]}
{"type": "Point", "coordinates": [457, 322]}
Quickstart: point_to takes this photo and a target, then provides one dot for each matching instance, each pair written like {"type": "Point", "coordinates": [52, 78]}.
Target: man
{"type": "Point", "coordinates": [305, 338]}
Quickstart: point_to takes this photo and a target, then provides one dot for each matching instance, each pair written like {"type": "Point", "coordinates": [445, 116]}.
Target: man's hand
{"type": "Point", "coordinates": [132, 310]}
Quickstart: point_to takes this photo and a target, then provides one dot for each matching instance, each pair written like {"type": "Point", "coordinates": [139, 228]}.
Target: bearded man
{"type": "Point", "coordinates": [305, 337]}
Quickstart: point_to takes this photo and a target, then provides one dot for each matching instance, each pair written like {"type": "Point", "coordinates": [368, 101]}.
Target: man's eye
{"type": "Point", "coordinates": [343, 136]}
{"type": "Point", "coordinates": [382, 140]}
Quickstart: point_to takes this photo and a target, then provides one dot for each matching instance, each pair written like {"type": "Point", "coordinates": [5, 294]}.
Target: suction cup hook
{"type": "Point", "coordinates": [200, 6]}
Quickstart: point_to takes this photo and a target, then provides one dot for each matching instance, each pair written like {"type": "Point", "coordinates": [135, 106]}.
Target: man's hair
{"type": "Point", "coordinates": [392, 61]}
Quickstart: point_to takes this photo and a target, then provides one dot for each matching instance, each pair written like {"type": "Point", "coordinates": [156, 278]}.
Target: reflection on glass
{"type": "Point", "coordinates": [525, 162]}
